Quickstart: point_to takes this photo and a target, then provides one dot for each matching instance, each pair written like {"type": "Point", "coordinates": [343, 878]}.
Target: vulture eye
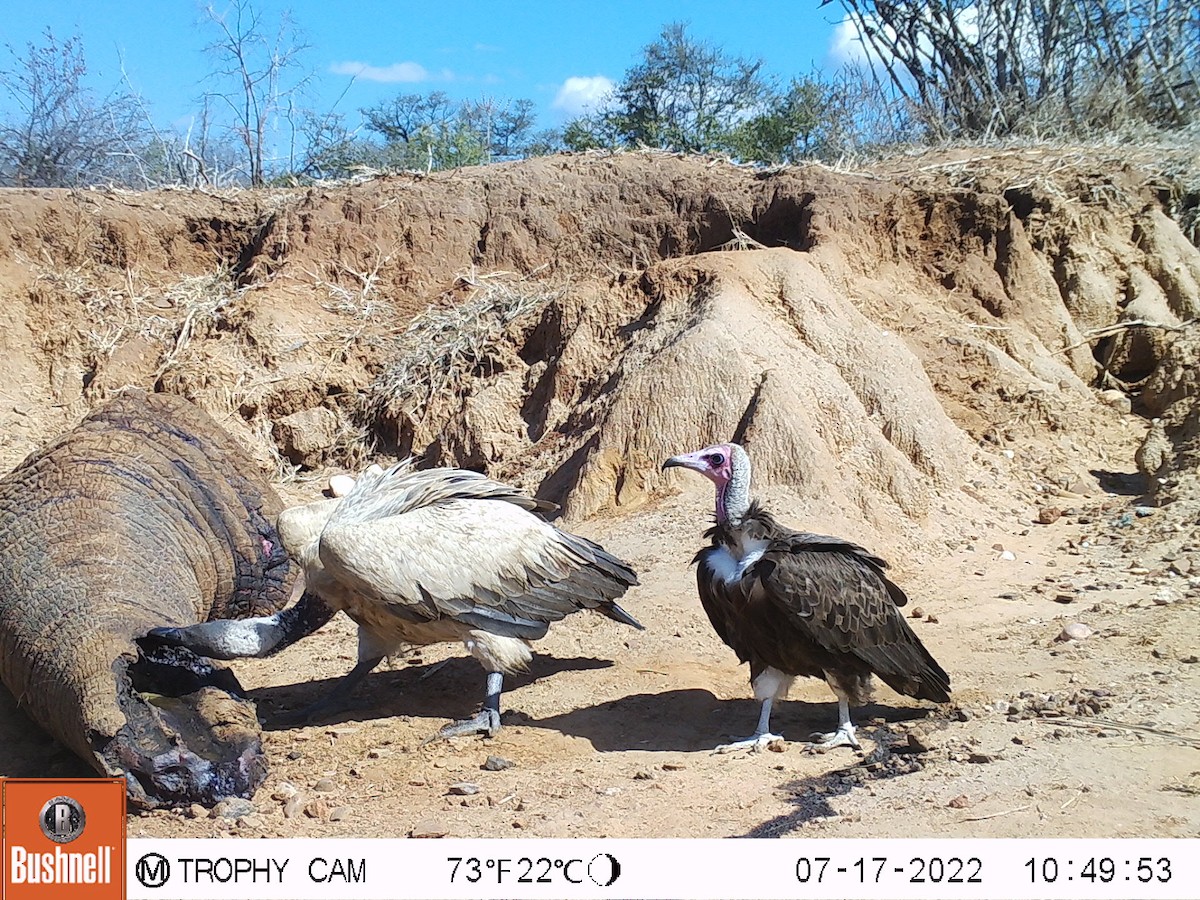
{"type": "Point", "coordinates": [717, 459]}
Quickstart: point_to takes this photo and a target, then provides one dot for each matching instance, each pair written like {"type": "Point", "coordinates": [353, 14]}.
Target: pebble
{"type": "Point", "coordinates": [917, 612]}
{"type": "Point", "coordinates": [923, 743]}
{"type": "Point", "coordinates": [428, 828]}
{"type": "Point", "coordinates": [1143, 512]}
{"type": "Point", "coordinates": [316, 808]}
{"type": "Point", "coordinates": [1163, 597]}
{"type": "Point", "coordinates": [463, 788]}
{"type": "Point", "coordinates": [325, 785]}
{"type": "Point", "coordinates": [233, 808]}
{"type": "Point", "coordinates": [1008, 555]}
{"type": "Point", "coordinates": [980, 758]}
{"type": "Point", "coordinates": [196, 811]}
{"type": "Point", "coordinates": [294, 806]}
{"type": "Point", "coordinates": [497, 764]}
{"type": "Point", "coordinates": [285, 791]}
{"type": "Point", "coordinates": [340, 813]}
{"type": "Point", "coordinates": [1064, 597]}
{"type": "Point", "coordinates": [959, 802]}
{"type": "Point", "coordinates": [1076, 631]}
{"type": "Point", "coordinates": [1048, 515]}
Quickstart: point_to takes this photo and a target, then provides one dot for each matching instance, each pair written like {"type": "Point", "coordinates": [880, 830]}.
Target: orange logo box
{"type": "Point", "coordinates": [64, 838]}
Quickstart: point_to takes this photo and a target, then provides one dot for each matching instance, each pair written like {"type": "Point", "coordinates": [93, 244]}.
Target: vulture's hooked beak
{"type": "Point", "coordinates": [693, 461]}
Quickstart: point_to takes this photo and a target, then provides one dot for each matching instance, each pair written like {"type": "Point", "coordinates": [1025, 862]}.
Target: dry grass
{"type": "Point", "coordinates": [446, 345]}
{"type": "Point", "coordinates": [170, 317]}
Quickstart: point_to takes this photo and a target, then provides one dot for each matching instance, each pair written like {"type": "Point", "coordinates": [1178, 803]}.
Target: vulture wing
{"type": "Point", "coordinates": [834, 595]}
{"type": "Point", "coordinates": [447, 543]}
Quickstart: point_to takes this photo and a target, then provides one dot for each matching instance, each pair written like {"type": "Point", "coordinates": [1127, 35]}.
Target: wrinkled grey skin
{"type": "Point", "coordinates": [147, 514]}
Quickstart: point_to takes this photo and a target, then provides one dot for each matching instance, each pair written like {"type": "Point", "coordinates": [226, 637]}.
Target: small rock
{"type": "Point", "coordinates": [294, 806]}
{"type": "Point", "coordinates": [196, 811]}
{"type": "Point", "coordinates": [980, 758]}
{"type": "Point", "coordinates": [1182, 567]}
{"type": "Point", "coordinates": [428, 828]}
{"type": "Point", "coordinates": [1048, 515]}
{"type": "Point", "coordinates": [931, 619]}
{"type": "Point", "coordinates": [959, 802]}
{"type": "Point", "coordinates": [1118, 400]}
{"type": "Point", "coordinates": [285, 791]}
{"type": "Point", "coordinates": [1163, 597]}
{"type": "Point", "coordinates": [316, 808]}
{"type": "Point", "coordinates": [1008, 555]}
{"type": "Point", "coordinates": [923, 743]}
{"type": "Point", "coordinates": [233, 808]}
{"type": "Point", "coordinates": [463, 788]}
{"type": "Point", "coordinates": [325, 785]}
{"type": "Point", "coordinates": [1143, 512]}
{"type": "Point", "coordinates": [643, 775]}
{"type": "Point", "coordinates": [917, 612]}
{"type": "Point", "coordinates": [963, 714]}
{"type": "Point", "coordinates": [339, 813]}
{"type": "Point", "coordinates": [1076, 631]}
{"type": "Point", "coordinates": [1064, 597]}
{"type": "Point", "coordinates": [304, 437]}
{"type": "Point", "coordinates": [294, 754]}
{"type": "Point", "coordinates": [1191, 659]}
{"type": "Point", "coordinates": [497, 764]}
{"type": "Point", "coordinates": [673, 767]}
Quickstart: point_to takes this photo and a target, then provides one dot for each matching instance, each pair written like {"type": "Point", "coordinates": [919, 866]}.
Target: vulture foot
{"type": "Point", "coordinates": [486, 721]}
{"type": "Point", "coordinates": [756, 743]}
{"type": "Point", "coordinates": [843, 737]}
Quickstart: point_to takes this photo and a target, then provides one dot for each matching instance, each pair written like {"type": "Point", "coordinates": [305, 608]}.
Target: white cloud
{"type": "Point", "coordinates": [581, 94]}
{"type": "Point", "coordinates": [396, 72]}
{"type": "Point", "coordinates": [847, 46]}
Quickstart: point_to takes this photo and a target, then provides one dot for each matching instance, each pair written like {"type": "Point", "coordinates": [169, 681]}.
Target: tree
{"type": "Point", "coordinates": [430, 131]}
{"type": "Point", "coordinates": [792, 127]}
{"type": "Point", "coordinates": [261, 72]}
{"type": "Point", "coordinates": [979, 68]}
{"type": "Point", "coordinates": [59, 133]}
{"type": "Point", "coordinates": [684, 95]}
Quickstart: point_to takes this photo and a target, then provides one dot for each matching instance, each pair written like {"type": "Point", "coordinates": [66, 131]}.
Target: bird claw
{"type": "Point", "coordinates": [486, 722]}
{"type": "Point", "coordinates": [843, 737]}
{"type": "Point", "coordinates": [755, 743]}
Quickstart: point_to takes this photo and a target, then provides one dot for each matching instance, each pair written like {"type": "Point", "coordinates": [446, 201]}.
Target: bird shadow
{"type": "Point", "coordinates": [694, 720]}
{"type": "Point", "coordinates": [810, 796]}
{"type": "Point", "coordinates": [450, 689]}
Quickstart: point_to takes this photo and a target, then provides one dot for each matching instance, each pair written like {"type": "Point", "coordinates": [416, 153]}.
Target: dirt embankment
{"type": "Point", "coordinates": [926, 357]}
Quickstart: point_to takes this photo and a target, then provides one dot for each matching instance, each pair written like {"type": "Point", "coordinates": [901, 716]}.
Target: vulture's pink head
{"type": "Point", "coordinates": [715, 463]}
{"type": "Point", "coordinates": [728, 467]}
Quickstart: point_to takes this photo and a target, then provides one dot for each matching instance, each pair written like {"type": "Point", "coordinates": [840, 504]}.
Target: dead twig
{"type": "Point", "coordinates": [1118, 327]}
{"type": "Point", "coordinates": [1007, 812]}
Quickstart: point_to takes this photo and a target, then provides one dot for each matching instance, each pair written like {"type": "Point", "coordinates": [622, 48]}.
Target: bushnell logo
{"type": "Point", "coordinates": [62, 819]}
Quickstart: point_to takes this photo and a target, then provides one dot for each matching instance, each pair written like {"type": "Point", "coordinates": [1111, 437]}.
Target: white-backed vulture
{"type": "Point", "coordinates": [791, 603]}
{"type": "Point", "coordinates": [425, 556]}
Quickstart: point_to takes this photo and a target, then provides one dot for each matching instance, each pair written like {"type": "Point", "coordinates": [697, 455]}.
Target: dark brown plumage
{"type": "Point", "coordinates": [791, 603]}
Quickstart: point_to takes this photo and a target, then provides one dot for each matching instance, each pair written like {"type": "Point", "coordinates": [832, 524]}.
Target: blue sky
{"type": "Point", "coordinates": [557, 54]}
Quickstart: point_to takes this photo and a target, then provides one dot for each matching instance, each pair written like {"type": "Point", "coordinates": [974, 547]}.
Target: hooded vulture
{"type": "Point", "coordinates": [792, 603]}
{"type": "Point", "coordinates": [425, 556]}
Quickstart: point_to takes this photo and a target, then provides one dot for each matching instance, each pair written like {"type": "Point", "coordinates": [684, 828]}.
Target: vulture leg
{"type": "Point", "coordinates": [487, 720]}
{"type": "Point", "coordinates": [844, 736]}
{"type": "Point", "coordinates": [337, 698]}
{"type": "Point", "coordinates": [769, 685]}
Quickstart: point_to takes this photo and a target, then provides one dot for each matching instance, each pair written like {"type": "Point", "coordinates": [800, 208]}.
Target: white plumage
{"type": "Point", "coordinates": [425, 556]}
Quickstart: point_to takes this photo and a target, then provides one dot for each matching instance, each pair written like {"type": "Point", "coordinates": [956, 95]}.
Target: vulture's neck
{"type": "Point", "coordinates": [733, 501]}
